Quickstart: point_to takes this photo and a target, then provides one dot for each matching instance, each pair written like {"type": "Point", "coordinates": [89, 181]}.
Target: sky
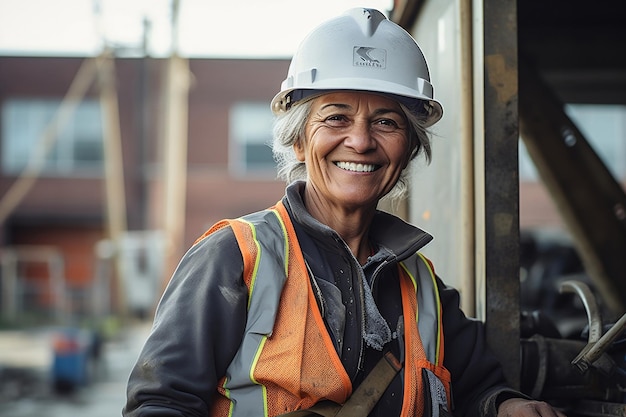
{"type": "Point", "coordinates": [265, 28]}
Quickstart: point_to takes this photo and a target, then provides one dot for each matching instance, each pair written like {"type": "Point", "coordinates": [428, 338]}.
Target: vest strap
{"type": "Point", "coordinates": [363, 399]}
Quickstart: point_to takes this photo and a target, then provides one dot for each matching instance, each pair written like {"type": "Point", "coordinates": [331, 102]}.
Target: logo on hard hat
{"type": "Point", "coordinates": [364, 56]}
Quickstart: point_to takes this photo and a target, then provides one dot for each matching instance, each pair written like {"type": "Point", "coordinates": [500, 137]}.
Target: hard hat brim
{"type": "Point", "coordinates": [430, 111]}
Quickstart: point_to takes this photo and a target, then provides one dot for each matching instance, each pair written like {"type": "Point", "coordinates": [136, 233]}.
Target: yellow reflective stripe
{"type": "Point", "coordinates": [256, 261]}
{"type": "Point", "coordinates": [438, 303]}
{"type": "Point", "coordinates": [250, 292]}
{"type": "Point", "coordinates": [430, 295]}
{"type": "Point", "coordinates": [265, 282]}
{"type": "Point", "coordinates": [253, 367]}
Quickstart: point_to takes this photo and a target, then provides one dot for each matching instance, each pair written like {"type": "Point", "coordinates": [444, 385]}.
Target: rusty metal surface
{"type": "Point", "coordinates": [501, 204]}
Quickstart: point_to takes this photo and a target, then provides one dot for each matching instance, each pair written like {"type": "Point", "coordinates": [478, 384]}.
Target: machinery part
{"type": "Point", "coordinates": [592, 354]}
{"type": "Point", "coordinates": [547, 373]}
{"type": "Point", "coordinates": [591, 306]}
{"type": "Point", "coordinates": [542, 368]}
{"type": "Point", "coordinates": [360, 50]}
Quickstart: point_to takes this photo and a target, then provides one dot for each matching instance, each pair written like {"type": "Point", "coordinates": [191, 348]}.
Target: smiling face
{"type": "Point", "coordinates": [355, 148]}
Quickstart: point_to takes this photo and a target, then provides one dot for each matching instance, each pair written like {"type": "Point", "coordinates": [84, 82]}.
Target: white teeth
{"type": "Point", "coordinates": [351, 166]}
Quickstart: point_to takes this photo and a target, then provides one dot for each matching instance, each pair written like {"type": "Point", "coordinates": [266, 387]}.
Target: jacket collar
{"type": "Point", "coordinates": [387, 231]}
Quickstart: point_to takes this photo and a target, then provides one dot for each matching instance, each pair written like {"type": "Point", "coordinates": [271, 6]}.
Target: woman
{"type": "Point", "coordinates": [301, 305]}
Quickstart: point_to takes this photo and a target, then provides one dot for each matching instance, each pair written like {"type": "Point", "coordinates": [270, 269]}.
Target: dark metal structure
{"type": "Point", "coordinates": [536, 56]}
{"type": "Point", "coordinates": [572, 52]}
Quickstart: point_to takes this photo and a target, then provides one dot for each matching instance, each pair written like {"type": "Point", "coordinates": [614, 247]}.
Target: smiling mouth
{"type": "Point", "coordinates": [351, 166]}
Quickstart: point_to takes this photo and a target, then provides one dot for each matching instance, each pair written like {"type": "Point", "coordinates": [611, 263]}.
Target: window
{"type": "Point", "coordinates": [250, 138]}
{"type": "Point", "coordinates": [604, 127]}
{"type": "Point", "coordinates": [76, 150]}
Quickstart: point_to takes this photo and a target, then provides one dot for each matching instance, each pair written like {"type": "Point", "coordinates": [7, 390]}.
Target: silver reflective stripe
{"type": "Point", "coordinates": [427, 304]}
{"type": "Point", "coordinates": [247, 396]}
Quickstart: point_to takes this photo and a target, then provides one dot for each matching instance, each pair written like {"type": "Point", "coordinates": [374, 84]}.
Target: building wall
{"type": "Point", "coordinates": [71, 211]}
{"type": "Point", "coordinates": [213, 193]}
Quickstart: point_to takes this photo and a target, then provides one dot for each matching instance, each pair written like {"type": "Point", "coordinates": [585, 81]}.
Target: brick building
{"type": "Point", "coordinates": [228, 167]}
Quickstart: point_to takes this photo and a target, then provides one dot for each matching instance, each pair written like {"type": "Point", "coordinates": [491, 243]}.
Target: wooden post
{"type": "Point", "coordinates": [114, 169]}
{"type": "Point", "coordinates": [175, 150]}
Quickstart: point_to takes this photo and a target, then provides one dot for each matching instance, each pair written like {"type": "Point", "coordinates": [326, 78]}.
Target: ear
{"type": "Point", "coordinates": [298, 149]}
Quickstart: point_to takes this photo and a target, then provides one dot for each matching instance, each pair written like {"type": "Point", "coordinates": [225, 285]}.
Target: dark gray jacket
{"type": "Point", "coordinates": [201, 318]}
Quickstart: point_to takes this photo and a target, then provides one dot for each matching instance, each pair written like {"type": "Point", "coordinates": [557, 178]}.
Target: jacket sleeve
{"type": "Point", "coordinates": [478, 382]}
{"type": "Point", "coordinates": [198, 327]}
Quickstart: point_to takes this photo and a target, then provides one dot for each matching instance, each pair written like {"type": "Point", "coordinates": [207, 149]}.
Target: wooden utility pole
{"type": "Point", "coordinates": [114, 169]}
{"type": "Point", "coordinates": [175, 148]}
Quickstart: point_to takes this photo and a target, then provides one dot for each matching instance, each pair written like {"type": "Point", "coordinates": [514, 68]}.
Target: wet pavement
{"type": "Point", "coordinates": [105, 396]}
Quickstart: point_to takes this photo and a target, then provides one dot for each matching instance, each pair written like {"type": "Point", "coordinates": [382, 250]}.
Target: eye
{"type": "Point", "coordinates": [336, 120]}
{"type": "Point", "coordinates": [386, 125]}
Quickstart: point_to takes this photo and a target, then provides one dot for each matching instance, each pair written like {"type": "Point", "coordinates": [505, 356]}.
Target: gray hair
{"type": "Point", "coordinates": [289, 129]}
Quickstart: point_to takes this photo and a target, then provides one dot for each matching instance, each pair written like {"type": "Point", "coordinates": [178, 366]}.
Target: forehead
{"type": "Point", "coordinates": [354, 99]}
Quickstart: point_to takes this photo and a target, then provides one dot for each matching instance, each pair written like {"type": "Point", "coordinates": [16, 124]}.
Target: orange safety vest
{"type": "Point", "coordinates": [287, 360]}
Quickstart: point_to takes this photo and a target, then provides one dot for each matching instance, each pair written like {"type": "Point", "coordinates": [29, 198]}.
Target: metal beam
{"type": "Point", "coordinates": [590, 201]}
{"type": "Point", "coordinates": [405, 12]}
{"type": "Point", "coordinates": [501, 183]}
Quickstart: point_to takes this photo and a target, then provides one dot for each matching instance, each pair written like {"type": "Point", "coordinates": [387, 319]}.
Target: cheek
{"type": "Point", "coordinates": [402, 154]}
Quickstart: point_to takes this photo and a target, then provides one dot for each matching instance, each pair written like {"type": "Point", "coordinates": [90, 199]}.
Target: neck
{"type": "Point", "coordinates": [351, 224]}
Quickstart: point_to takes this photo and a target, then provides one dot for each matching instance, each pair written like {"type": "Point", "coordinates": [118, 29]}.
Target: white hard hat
{"type": "Point", "coordinates": [360, 50]}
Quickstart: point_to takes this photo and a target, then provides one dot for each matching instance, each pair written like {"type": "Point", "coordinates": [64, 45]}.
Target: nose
{"type": "Point", "coordinates": [360, 138]}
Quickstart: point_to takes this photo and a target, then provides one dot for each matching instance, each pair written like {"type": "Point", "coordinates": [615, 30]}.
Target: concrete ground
{"type": "Point", "coordinates": [26, 388]}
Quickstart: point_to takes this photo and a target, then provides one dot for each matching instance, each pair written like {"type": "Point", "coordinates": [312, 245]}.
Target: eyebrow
{"type": "Point", "coordinates": [340, 105]}
{"type": "Point", "coordinates": [377, 112]}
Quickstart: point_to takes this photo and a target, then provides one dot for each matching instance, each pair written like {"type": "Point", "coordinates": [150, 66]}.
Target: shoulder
{"type": "Point", "coordinates": [220, 239]}
{"type": "Point", "coordinates": [212, 254]}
